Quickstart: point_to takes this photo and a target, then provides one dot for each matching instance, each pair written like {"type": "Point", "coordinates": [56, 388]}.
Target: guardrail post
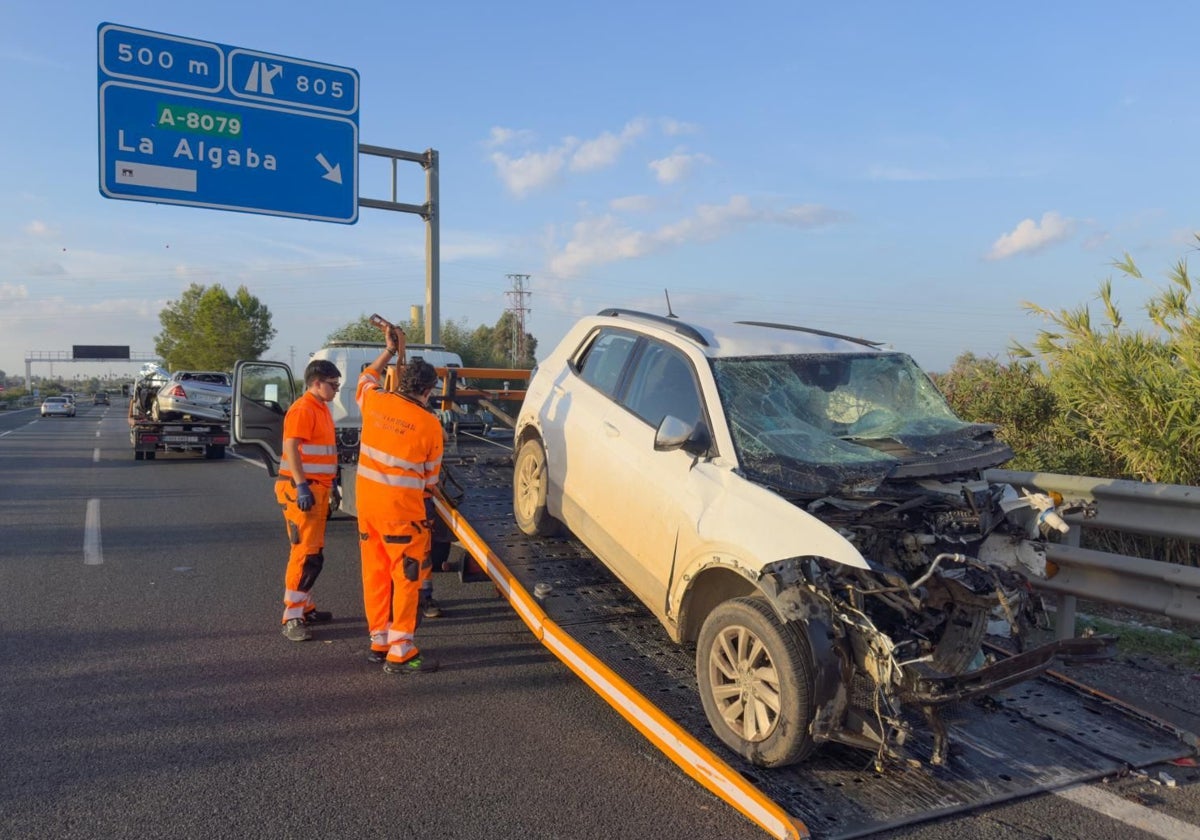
{"type": "Point", "coordinates": [1064, 617]}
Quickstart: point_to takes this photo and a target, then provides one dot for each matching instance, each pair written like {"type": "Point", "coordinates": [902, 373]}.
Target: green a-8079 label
{"type": "Point", "coordinates": [199, 121]}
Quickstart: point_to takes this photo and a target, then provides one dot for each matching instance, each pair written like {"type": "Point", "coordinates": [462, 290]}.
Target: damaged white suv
{"type": "Point", "coordinates": [804, 507]}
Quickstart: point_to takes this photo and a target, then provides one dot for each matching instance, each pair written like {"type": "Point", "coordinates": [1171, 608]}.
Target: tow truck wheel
{"type": "Point", "coordinates": [530, 485]}
{"type": "Point", "coordinates": [755, 676]}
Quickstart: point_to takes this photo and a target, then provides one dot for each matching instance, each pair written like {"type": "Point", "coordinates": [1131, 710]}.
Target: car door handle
{"type": "Point", "coordinates": [611, 430]}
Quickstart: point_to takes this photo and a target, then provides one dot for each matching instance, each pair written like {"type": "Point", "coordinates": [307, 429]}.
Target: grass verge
{"type": "Point", "coordinates": [1146, 641]}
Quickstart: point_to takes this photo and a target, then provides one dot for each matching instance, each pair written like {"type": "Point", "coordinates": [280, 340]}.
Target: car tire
{"type": "Point", "coordinates": [531, 483]}
{"type": "Point", "coordinates": [755, 676]}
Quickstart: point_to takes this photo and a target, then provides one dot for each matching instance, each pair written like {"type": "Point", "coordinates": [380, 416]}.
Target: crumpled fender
{"type": "Point", "coordinates": [763, 525]}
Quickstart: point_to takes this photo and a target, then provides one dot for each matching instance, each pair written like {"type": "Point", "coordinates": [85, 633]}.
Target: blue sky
{"type": "Point", "coordinates": [907, 172]}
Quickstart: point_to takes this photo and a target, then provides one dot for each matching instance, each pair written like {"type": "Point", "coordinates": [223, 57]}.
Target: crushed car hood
{"type": "Point", "coordinates": [808, 466]}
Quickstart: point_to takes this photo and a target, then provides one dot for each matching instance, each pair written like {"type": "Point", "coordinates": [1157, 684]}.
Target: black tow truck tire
{"type": "Point", "coordinates": [531, 483]}
{"type": "Point", "coordinates": [755, 677]}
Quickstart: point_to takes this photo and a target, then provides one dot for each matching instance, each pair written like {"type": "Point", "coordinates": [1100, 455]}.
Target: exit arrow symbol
{"type": "Point", "coordinates": [332, 173]}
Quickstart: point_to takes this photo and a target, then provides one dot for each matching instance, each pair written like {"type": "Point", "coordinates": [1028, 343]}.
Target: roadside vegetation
{"type": "Point", "coordinates": [1092, 396]}
{"type": "Point", "coordinates": [1144, 640]}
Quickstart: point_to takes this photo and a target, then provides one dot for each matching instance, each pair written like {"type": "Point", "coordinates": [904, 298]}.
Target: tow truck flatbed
{"type": "Point", "coordinates": [1041, 735]}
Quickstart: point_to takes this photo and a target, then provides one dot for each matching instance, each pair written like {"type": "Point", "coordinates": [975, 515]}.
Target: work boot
{"type": "Point", "coordinates": [416, 665]}
{"type": "Point", "coordinates": [317, 616]}
{"type": "Point", "coordinates": [377, 656]}
{"type": "Point", "coordinates": [295, 631]}
{"type": "Point", "coordinates": [429, 607]}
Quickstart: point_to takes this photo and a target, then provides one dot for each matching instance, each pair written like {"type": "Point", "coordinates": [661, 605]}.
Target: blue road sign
{"type": "Point", "coordinates": [208, 125]}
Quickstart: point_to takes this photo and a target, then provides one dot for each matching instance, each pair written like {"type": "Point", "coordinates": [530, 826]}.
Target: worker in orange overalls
{"type": "Point", "coordinates": [305, 479]}
{"type": "Point", "coordinates": [399, 460]}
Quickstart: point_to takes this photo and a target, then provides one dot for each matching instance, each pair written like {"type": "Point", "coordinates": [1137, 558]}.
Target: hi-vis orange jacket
{"type": "Point", "coordinates": [309, 420]}
{"type": "Point", "coordinates": [400, 449]}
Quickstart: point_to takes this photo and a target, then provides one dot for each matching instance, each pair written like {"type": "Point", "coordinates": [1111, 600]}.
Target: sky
{"type": "Point", "coordinates": [911, 173]}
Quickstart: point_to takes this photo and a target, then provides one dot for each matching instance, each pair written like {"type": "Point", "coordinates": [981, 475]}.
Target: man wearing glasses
{"type": "Point", "coordinates": [305, 479]}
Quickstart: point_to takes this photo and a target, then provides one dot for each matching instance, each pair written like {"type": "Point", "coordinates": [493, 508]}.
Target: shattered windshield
{"type": "Point", "coordinates": [802, 422]}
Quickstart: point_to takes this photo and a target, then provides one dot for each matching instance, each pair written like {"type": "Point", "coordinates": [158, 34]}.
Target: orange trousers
{"type": "Point", "coordinates": [306, 534]}
{"type": "Point", "coordinates": [395, 561]}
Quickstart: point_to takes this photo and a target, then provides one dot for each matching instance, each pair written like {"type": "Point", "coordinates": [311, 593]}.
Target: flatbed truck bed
{"type": "Point", "coordinates": [1041, 735]}
{"type": "Point", "coordinates": [148, 437]}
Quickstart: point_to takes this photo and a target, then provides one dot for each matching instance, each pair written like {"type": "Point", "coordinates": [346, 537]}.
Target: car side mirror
{"type": "Point", "coordinates": [673, 433]}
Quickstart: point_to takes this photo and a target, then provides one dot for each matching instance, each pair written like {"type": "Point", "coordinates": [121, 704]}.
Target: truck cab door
{"type": "Point", "coordinates": [262, 394]}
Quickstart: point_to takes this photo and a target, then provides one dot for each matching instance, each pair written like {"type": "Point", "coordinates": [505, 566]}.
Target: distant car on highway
{"type": "Point", "coordinates": [58, 406]}
{"type": "Point", "coordinates": [100, 398]}
{"type": "Point", "coordinates": [200, 394]}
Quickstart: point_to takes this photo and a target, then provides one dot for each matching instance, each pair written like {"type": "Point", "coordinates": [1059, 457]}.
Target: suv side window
{"type": "Point", "coordinates": [602, 362]}
{"type": "Point", "coordinates": [662, 384]}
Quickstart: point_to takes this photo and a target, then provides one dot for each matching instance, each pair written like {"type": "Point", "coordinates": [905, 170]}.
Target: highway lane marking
{"type": "Point", "coordinates": [96, 455]}
{"type": "Point", "coordinates": [97, 433]}
{"type": "Point", "coordinates": [1130, 813]}
{"type": "Point", "coordinates": [92, 553]}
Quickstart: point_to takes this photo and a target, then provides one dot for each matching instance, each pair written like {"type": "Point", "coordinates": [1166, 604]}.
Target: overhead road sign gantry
{"type": "Point", "coordinates": [203, 124]}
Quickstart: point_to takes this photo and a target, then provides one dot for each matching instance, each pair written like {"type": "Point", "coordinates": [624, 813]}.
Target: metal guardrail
{"type": "Point", "coordinates": [1156, 510]}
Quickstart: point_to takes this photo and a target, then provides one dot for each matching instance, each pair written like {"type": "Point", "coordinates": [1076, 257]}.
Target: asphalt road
{"type": "Point", "coordinates": [145, 689]}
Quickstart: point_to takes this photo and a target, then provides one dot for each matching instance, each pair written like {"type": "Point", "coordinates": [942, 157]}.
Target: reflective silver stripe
{"type": "Point", "coordinates": [390, 460]}
{"type": "Point", "coordinates": [312, 469]}
{"type": "Point", "coordinates": [431, 481]}
{"type": "Point", "coordinates": [390, 480]}
{"type": "Point", "coordinates": [395, 636]}
{"type": "Point", "coordinates": [314, 449]}
{"type": "Point", "coordinates": [430, 466]}
{"type": "Point", "coordinates": [292, 596]}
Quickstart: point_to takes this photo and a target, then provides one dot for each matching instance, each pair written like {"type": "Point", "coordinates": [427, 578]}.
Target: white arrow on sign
{"type": "Point", "coordinates": [332, 173]}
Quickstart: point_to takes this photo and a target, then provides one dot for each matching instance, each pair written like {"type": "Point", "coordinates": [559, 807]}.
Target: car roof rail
{"type": "Point", "coordinates": [813, 331]}
{"type": "Point", "coordinates": [681, 327]}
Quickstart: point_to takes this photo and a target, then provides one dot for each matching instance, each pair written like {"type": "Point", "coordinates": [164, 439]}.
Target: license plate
{"type": "Point", "coordinates": [180, 439]}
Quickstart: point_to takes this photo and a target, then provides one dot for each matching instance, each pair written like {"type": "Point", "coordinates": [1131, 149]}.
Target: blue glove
{"type": "Point", "coordinates": [304, 497]}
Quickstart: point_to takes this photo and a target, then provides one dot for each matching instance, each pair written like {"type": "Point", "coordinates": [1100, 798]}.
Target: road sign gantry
{"type": "Point", "coordinates": [197, 123]}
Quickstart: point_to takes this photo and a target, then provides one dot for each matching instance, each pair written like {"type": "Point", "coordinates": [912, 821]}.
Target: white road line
{"type": "Point", "coordinates": [255, 461]}
{"type": "Point", "coordinates": [92, 553]}
{"type": "Point", "coordinates": [96, 455]}
{"type": "Point", "coordinates": [97, 433]}
{"type": "Point", "coordinates": [1130, 813]}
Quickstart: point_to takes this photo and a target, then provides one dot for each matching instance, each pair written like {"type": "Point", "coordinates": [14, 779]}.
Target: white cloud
{"type": "Point", "coordinates": [531, 171]}
{"type": "Point", "coordinates": [37, 228]}
{"type": "Point", "coordinates": [501, 136]}
{"type": "Point", "coordinates": [673, 127]}
{"type": "Point", "coordinates": [677, 165]}
{"type": "Point", "coordinates": [604, 150]}
{"type": "Point", "coordinates": [13, 291]}
{"type": "Point", "coordinates": [528, 171]}
{"type": "Point", "coordinates": [604, 239]}
{"type": "Point", "coordinates": [1028, 236]}
{"type": "Point", "coordinates": [632, 204]}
